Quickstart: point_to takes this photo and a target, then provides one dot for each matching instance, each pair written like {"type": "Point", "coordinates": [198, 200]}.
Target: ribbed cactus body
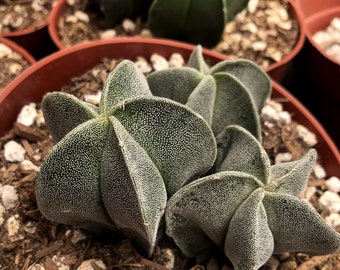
{"type": "Point", "coordinates": [229, 93]}
{"type": "Point", "coordinates": [115, 166]}
{"type": "Point", "coordinates": [249, 209]}
{"type": "Point", "coordinates": [194, 21]}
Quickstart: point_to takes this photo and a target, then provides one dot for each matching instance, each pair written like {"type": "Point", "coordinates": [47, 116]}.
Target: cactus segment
{"type": "Point", "coordinates": [68, 186]}
{"type": "Point", "coordinates": [174, 83]}
{"type": "Point", "coordinates": [250, 75]}
{"type": "Point", "coordinates": [249, 241]}
{"type": "Point", "coordinates": [58, 106]}
{"type": "Point", "coordinates": [291, 177]}
{"type": "Point", "coordinates": [207, 205]}
{"type": "Point", "coordinates": [132, 84]}
{"type": "Point", "coordinates": [227, 101]}
{"type": "Point", "coordinates": [297, 227]}
{"type": "Point", "coordinates": [235, 142]}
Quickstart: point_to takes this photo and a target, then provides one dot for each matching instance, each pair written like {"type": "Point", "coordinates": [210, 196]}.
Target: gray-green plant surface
{"type": "Point", "coordinates": [115, 166]}
{"type": "Point", "coordinates": [138, 159]}
{"type": "Point", "coordinates": [248, 208]}
{"type": "Point", "coordinates": [231, 92]}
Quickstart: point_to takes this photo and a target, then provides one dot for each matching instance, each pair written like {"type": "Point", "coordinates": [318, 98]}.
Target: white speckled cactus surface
{"type": "Point", "coordinates": [179, 152]}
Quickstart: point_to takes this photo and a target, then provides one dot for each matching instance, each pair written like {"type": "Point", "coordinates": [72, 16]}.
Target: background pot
{"type": "Point", "coordinates": [15, 47]}
{"type": "Point", "coordinates": [324, 70]}
{"type": "Point", "coordinates": [277, 71]}
{"type": "Point", "coordinates": [310, 7]}
{"type": "Point", "coordinates": [36, 40]}
{"type": "Point", "coordinates": [54, 71]}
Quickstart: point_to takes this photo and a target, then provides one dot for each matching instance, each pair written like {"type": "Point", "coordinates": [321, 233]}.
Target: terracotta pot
{"type": "Point", "coordinates": [15, 47]}
{"type": "Point", "coordinates": [324, 70]}
{"type": "Point", "coordinates": [56, 70]}
{"type": "Point", "coordinates": [310, 7]}
{"type": "Point", "coordinates": [277, 70]}
{"type": "Point", "coordinates": [36, 40]}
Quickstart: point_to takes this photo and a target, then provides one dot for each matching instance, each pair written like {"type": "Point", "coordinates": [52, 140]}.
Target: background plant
{"type": "Point", "coordinates": [194, 21]}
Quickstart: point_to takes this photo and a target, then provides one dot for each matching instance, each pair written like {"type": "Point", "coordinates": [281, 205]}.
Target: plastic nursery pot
{"type": "Point", "coordinates": [54, 71]}
{"type": "Point", "coordinates": [20, 50]}
{"type": "Point", "coordinates": [310, 7]}
{"type": "Point", "coordinates": [278, 70]}
{"type": "Point", "coordinates": [36, 40]}
{"type": "Point", "coordinates": [323, 70]}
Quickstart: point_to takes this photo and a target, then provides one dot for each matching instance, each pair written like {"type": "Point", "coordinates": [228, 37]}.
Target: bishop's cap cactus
{"type": "Point", "coordinates": [231, 92]}
{"type": "Point", "coordinates": [115, 165]}
{"type": "Point", "coordinates": [248, 208]}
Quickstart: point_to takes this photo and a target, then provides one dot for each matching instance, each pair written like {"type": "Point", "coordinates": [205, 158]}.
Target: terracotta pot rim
{"type": "Point", "coordinates": [45, 62]}
{"type": "Point", "coordinates": [16, 47]}
{"type": "Point", "coordinates": [58, 9]}
{"type": "Point", "coordinates": [300, 41]}
{"type": "Point", "coordinates": [83, 46]}
{"type": "Point", "coordinates": [26, 31]}
{"type": "Point", "coordinates": [329, 12]}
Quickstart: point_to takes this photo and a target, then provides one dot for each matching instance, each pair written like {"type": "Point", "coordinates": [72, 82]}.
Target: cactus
{"type": "Point", "coordinates": [197, 21]}
{"type": "Point", "coordinates": [115, 11]}
{"type": "Point", "coordinates": [231, 92]}
{"type": "Point", "coordinates": [248, 208]}
{"type": "Point", "coordinates": [115, 166]}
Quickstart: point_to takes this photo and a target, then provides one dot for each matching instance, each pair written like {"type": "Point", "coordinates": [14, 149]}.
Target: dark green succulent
{"type": "Point", "coordinates": [194, 21]}
{"type": "Point", "coordinates": [115, 166]}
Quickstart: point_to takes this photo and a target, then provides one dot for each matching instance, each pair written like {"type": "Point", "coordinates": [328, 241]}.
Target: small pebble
{"type": "Point", "coordinates": [319, 171]}
{"type": "Point", "coordinates": [30, 227]}
{"type": "Point", "coordinates": [5, 51]}
{"type": "Point", "coordinates": [27, 115]}
{"type": "Point", "coordinates": [27, 165]}
{"type": "Point", "coordinates": [111, 33]}
{"type": "Point", "coordinates": [333, 184]}
{"type": "Point", "coordinates": [283, 157]}
{"type": "Point", "coordinates": [36, 267]}
{"type": "Point", "coordinates": [88, 265]}
{"type": "Point", "coordinates": [159, 62]}
{"type": "Point", "coordinates": [13, 225]}
{"type": "Point", "coordinates": [308, 137]}
{"type": "Point", "coordinates": [143, 65]}
{"type": "Point", "coordinates": [82, 16]}
{"type": "Point", "coordinates": [128, 25]}
{"type": "Point", "coordinates": [333, 220]}
{"type": "Point", "coordinates": [14, 152]}
{"type": "Point", "coordinates": [252, 5]}
{"type": "Point", "coordinates": [93, 98]}
{"type": "Point", "coordinates": [176, 60]}
{"type": "Point", "coordinates": [331, 201]}
{"type": "Point", "coordinates": [9, 196]}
